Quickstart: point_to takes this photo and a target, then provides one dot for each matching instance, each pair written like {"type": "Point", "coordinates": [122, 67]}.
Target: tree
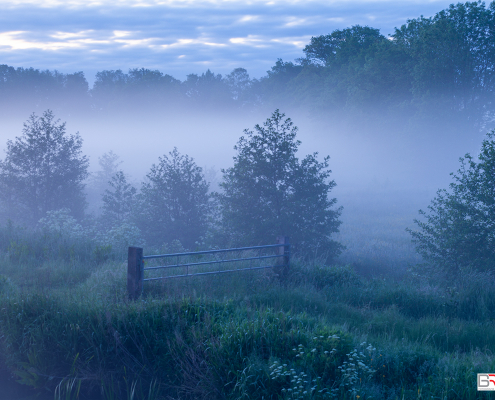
{"type": "Point", "coordinates": [43, 170]}
{"type": "Point", "coordinates": [342, 47]}
{"type": "Point", "coordinates": [175, 201]}
{"type": "Point", "coordinates": [207, 90]}
{"type": "Point", "coordinates": [269, 192]}
{"type": "Point", "coordinates": [99, 181]}
{"type": "Point", "coordinates": [239, 84]}
{"type": "Point", "coordinates": [119, 201]}
{"type": "Point", "coordinates": [451, 58]}
{"type": "Point", "coordinates": [458, 232]}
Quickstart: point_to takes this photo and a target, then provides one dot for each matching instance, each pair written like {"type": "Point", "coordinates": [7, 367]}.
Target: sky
{"type": "Point", "coordinates": [179, 37]}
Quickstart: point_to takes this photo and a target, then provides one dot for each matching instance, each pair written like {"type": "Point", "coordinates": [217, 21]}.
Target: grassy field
{"type": "Point", "coordinates": [328, 332]}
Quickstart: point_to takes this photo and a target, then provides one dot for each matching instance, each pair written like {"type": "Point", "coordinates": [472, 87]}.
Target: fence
{"type": "Point", "coordinates": [135, 263]}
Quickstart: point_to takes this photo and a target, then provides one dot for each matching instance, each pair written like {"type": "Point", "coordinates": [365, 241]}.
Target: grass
{"type": "Point", "coordinates": [326, 333]}
{"type": "Point", "coordinates": [68, 331]}
{"type": "Point", "coordinates": [373, 230]}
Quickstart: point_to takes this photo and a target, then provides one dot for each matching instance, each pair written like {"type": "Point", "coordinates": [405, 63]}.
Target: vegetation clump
{"type": "Point", "coordinates": [458, 232]}
{"type": "Point", "coordinates": [256, 340]}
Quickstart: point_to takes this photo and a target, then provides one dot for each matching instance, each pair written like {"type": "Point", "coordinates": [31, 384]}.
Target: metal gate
{"type": "Point", "coordinates": [136, 269]}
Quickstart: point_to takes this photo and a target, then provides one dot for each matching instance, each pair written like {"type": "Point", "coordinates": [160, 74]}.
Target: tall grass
{"type": "Point", "coordinates": [68, 329]}
{"type": "Point", "coordinates": [325, 333]}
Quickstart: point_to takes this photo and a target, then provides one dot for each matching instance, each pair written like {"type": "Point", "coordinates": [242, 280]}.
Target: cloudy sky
{"type": "Point", "coordinates": [179, 37]}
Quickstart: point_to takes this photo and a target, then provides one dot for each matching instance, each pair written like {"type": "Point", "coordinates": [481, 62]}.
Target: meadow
{"type": "Point", "coordinates": [364, 328]}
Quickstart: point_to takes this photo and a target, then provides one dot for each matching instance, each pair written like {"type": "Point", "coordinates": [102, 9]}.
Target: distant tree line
{"type": "Point", "coordinates": [430, 70]}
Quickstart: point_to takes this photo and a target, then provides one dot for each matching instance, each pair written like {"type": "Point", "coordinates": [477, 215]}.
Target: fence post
{"type": "Point", "coordinates": [285, 252]}
{"type": "Point", "coordinates": [135, 265]}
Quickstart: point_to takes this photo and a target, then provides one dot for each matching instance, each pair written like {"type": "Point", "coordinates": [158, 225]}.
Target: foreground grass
{"type": "Point", "coordinates": [326, 333]}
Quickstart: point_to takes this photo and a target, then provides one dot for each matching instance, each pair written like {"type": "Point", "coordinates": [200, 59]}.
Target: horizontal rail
{"type": "Point", "coordinates": [206, 273]}
{"type": "Point", "coordinates": [135, 263]}
{"type": "Point", "coordinates": [192, 253]}
{"type": "Point", "coordinates": [212, 262]}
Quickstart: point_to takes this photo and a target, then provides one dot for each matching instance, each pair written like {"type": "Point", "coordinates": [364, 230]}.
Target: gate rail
{"type": "Point", "coordinates": [135, 263]}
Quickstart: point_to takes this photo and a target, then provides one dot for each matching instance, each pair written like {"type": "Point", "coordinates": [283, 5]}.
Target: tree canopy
{"type": "Point", "coordinates": [269, 192]}
{"type": "Point", "coordinates": [175, 201]}
{"type": "Point", "coordinates": [43, 170]}
{"type": "Point", "coordinates": [430, 71]}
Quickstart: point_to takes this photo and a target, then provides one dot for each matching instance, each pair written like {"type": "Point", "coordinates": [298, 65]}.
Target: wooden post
{"type": "Point", "coordinates": [284, 262]}
{"type": "Point", "coordinates": [135, 265]}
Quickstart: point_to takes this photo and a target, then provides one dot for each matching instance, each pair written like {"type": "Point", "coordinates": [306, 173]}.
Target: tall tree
{"type": "Point", "coordinates": [175, 201]}
{"type": "Point", "coordinates": [43, 170]}
{"type": "Point", "coordinates": [119, 201]}
{"type": "Point", "coordinates": [343, 47]}
{"type": "Point", "coordinates": [269, 192]}
{"type": "Point", "coordinates": [452, 59]}
{"type": "Point", "coordinates": [239, 84]}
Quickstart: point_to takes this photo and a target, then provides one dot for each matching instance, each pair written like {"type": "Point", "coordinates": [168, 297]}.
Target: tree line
{"type": "Point", "coordinates": [429, 71]}
{"type": "Point", "coordinates": [267, 192]}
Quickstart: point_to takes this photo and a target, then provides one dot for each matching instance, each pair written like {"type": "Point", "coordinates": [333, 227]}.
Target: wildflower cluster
{"type": "Point", "coordinates": [62, 223]}
{"type": "Point", "coordinates": [321, 347]}
{"type": "Point", "coordinates": [313, 359]}
{"type": "Point", "coordinates": [300, 385]}
{"type": "Point", "coordinates": [120, 237]}
{"type": "Point", "coordinates": [355, 371]}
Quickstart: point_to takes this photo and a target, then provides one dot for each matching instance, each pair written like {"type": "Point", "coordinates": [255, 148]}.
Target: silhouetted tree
{"type": "Point", "coordinates": [174, 201]}
{"type": "Point", "coordinates": [239, 84]}
{"type": "Point", "coordinates": [207, 90]}
{"type": "Point", "coordinates": [269, 192]}
{"type": "Point", "coordinates": [43, 170]}
{"type": "Point", "coordinates": [343, 47]}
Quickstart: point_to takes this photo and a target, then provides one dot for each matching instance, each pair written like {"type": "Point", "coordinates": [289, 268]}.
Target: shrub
{"type": "Point", "coordinates": [458, 232]}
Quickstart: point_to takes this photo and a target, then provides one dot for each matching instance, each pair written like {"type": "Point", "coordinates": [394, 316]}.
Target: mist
{"type": "Point", "coordinates": [324, 230]}
{"type": "Point", "coordinates": [393, 124]}
{"type": "Point", "coordinates": [383, 175]}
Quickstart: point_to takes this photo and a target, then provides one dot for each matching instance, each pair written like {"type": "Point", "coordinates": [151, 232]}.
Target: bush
{"type": "Point", "coordinates": [458, 232]}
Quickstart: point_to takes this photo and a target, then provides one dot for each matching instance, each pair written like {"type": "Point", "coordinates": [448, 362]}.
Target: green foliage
{"type": "Point", "coordinates": [375, 339]}
{"type": "Point", "coordinates": [322, 276]}
{"type": "Point", "coordinates": [240, 84]}
{"type": "Point", "coordinates": [208, 90]}
{"type": "Point", "coordinates": [60, 253]}
{"type": "Point", "coordinates": [458, 231]}
{"type": "Point", "coordinates": [334, 276]}
{"type": "Point", "coordinates": [462, 38]}
{"type": "Point", "coordinates": [7, 287]}
{"type": "Point", "coordinates": [43, 170]}
{"type": "Point", "coordinates": [355, 71]}
{"type": "Point", "coordinates": [25, 89]}
{"type": "Point", "coordinates": [175, 201]}
{"type": "Point", "coordinates": [102, 253]}
{"type": "Point", "coordinates": [269, 192]}
{"type": "Point", "coordinates": [342, 45]}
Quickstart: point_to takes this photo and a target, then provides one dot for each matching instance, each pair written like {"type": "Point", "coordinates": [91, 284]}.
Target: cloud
{"type": "Point", "coordinates": [181, 36]}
